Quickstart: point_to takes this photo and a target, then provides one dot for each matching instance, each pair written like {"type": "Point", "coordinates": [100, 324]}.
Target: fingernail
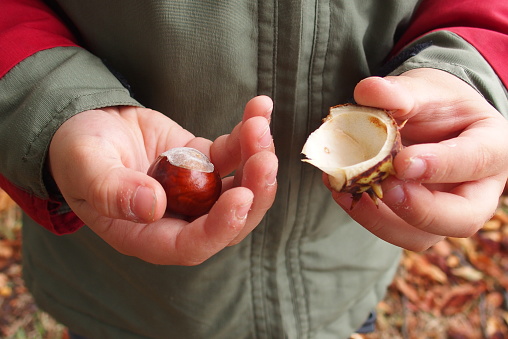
{"type": "Point", "coordinates": [389, 80]}
{"type": "Point", "coordinates": [271, 178]}
{"type": "Point", "coordinates": [243, 210]}
{"type": "Point", "coordinates": [265, 140]}
{"type": "Point", "coordinates": [143, 204]}
{"type": "Point", "coordinates": [394, 196]}
{"type": "Point", "coordinates": [416, 168]}
{"type": "Point", "coordinates": [270, 109]}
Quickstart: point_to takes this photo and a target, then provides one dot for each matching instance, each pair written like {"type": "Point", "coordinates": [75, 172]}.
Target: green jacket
{"type": "Point", "coordinates": [307, 271]}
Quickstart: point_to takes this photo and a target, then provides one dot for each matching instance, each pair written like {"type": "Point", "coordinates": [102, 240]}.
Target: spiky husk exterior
{"type": "Point", "coordinates": [370, 180]}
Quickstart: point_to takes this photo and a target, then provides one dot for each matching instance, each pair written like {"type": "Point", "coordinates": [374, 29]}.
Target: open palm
{"type": "Point", "coordinates": [99, 160]}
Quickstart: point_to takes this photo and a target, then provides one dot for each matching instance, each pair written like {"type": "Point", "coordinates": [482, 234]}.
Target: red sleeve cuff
{"type": "Point", "coordinates": [45, 212]}
{"type": "Point", "coordinates": [27, 27]}
{"type": "Point", "coordinates": [493, 46]}
{"type": "Point", "coordinates": [483, 24]}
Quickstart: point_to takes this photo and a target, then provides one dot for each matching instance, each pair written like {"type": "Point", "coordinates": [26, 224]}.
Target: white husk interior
{"type": "Point", "coordinates": [352, 140]}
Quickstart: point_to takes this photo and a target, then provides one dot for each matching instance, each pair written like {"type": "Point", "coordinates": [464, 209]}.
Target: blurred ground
{"type": "Point", "coordinates": [456, 290]}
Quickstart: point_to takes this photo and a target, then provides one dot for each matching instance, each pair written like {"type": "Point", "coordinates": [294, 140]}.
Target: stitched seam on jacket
{"type": "Point", "coordinates": [41, 164]}
{"type": "Point", "coordinates": [74, 113]}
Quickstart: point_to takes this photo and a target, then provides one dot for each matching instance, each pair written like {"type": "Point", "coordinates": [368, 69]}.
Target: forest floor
{"type": "Point", "coordinates": [458, 289]}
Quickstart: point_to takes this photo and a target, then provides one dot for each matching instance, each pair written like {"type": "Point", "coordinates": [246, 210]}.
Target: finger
{"type": "Point", "coordinates": [458, 213]}
{"type": "Point", "coordinates": [160, 133]}
{"type": "Point", "coordinates": [225, 152]}
{"type": "Point", "coordinates": [176, 242]}
{"type": "Point", "coordinates": [259, 176]}
{"type": "Point", "coordinates": [385, 224]}
{"type": "Point", "coordinates": [477, 153]}
{"type": "Point", "coordinates": [208, 235]}
{"type": "Point", "coordinates": [258, 106]}
{"type": "Point", "coordinates": [388, 93]}
{"type": "Point", "coordinates": [227, 183]}
{"type": "Point", "coordinates": [201, 144]}
{"type": "Point", "coordinates": [255, 137]}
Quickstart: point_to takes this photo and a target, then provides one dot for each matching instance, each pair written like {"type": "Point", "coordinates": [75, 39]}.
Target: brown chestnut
{"type": "Point", "coordinates": [191, 182]}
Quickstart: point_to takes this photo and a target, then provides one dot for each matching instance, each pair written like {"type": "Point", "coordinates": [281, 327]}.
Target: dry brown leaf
{"type": "Point", "coordinates": [490, 242]}
{"type": "Point", "coordinates": [494, 300]}
{"type": "Point", "coordinates": [458, 298]}
{"type": "Point", "coordinates": [408, 291]}
{"type": "Point", "coordinates": [466, 245]}
{"type": "Point", "coordinates": [494, 328]}
{"type": "Point", "coordinates": [453, 261]}
{"type": "Point", "coordinates": [443, 248]}
{"type": "Point", "coordinates": [504, 315]}
{"type": "Point", "coordinates": [462, 328]}
{"type": "Point", "coordinates": [419, 265]}
{"type": "Point", "coordinates": [6, 202]}
{"type": "Point", "coordinates": [6, 249]}
{"type": "Point", "coordinates": [501, 216]}
{"type": "Point", "coordinates": [468, 273]}
{"type": "Point", "coordinates": [492, 225]}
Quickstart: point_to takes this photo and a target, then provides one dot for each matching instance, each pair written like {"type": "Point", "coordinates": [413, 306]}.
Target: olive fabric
{"type": "Point", "coordinates": [308, 270]}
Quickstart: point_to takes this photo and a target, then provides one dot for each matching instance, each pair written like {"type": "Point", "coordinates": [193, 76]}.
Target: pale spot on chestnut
{"type": "Point", "coordinates": [190, 180]}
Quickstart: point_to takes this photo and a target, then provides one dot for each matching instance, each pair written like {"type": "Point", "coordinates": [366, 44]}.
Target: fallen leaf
{"type": "Point", "coordinates": [407, 290]}
{"type": "Point", "coordinates": [458, 298]}
{"type": "Point", "coordinates": [501, 216]}
{"type": "Point", "coordinates": [492, 225]}
{"type": "Point", "coordinates": [468, 273]}
{"type": "Point", "coordinates": [6, 249]}
{"type": "Point", "coordinates": [419, 265]}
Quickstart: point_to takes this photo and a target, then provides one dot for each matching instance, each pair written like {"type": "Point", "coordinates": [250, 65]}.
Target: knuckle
{"type": "Point", "coordinates": [377, 226]}
{"type": "Point", "coordinates": [483, 160]}
{"type": "Point", "coordinates": [103, 198]}
{"type": "Point", "coordinates": [426, 222]}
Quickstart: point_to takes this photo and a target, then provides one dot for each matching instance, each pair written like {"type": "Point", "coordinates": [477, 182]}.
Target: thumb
{"type": "Point", "coordinates": [123, 193]}
{"type": "Point", "coordinates": [414, 91]}
{"type": "Point", "coordinates": [98, 164]}
{"type": "Point", "coordinates": [116, 193]}
{"type": "Point", "coordinates": [390, 93]}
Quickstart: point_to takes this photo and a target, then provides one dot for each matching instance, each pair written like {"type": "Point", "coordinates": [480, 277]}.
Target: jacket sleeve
{"type": "Point", "coordinates": [45, 78]}
{"type": "Point", "coordinates": [469, 37]}
{"type": "Point", "coordinates": [27, 27]}
{"type": "Point", "coordinates": [484, 24]}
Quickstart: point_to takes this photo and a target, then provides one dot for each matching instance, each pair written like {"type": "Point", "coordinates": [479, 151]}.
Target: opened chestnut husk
{"type": "Point", "coordinates": [355, 146]}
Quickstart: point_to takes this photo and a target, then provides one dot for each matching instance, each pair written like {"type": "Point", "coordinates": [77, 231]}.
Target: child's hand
{"type": "Point", "coordinates": [99, 160]}
{"type": "Point", "coordinates": [454, 169]}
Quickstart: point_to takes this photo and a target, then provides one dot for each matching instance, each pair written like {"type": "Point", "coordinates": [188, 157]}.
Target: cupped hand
{"type": "Point", "coordinates": [453, 169]}
{"type": "Point", "coordinates": [99, 160]}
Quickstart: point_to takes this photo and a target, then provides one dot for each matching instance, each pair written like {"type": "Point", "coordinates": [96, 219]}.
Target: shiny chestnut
{"type": "Point", "coordinates": [191, 182]}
